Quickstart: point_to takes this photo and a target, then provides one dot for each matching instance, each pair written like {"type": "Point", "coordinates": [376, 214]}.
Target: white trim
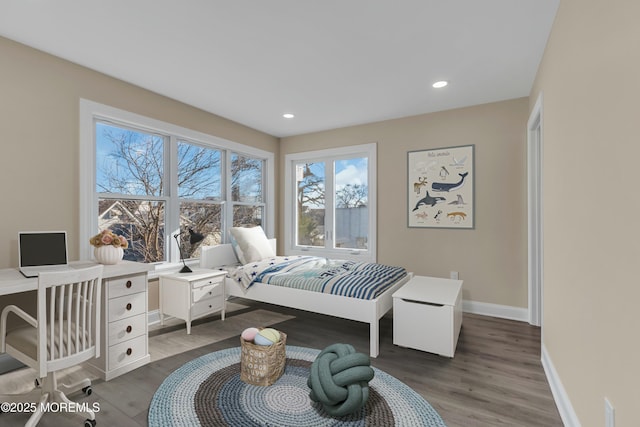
{"type": "Point", "coordinates": [368, 150]}
{"type": "Point", "coordinates": [90, 110]}
{"type": "Point", "coordinates": [560, 396]}
{"type": "Point", "coordinates": [534, 218]}
{"type": "Point", "coordinates": [153, 317]}
{"type": "Point", "coordinates": [495, 310]}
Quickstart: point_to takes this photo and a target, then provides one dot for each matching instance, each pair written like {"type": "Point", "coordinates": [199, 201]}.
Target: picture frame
{"type": "Point", "coordinates": [440, 188]}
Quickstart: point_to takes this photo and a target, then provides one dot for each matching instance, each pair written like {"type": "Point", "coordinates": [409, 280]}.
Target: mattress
{"type": "Point", "coordinates": [347, 278]}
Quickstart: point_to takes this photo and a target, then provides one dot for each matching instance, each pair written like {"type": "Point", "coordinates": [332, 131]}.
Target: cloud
{"type": "Point", "coordinates": [351, 172]}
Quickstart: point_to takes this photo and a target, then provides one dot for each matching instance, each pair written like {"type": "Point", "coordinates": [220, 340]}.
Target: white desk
{"type": "Point", "coordinates": [124, 332]}
{"type": "Point", "coordinates": [13, 282]}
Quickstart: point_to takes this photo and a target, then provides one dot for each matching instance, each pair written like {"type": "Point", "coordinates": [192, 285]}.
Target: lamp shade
{"type": "Point", "coordinates": [195, 237]}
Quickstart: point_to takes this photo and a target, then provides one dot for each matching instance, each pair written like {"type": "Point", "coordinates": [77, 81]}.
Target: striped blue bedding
{"type": "Point", "coordinates": [354, 279]}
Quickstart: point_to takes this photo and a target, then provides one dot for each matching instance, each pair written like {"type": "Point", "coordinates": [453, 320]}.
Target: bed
{"type": "Point", "coordinates": [363, 310]}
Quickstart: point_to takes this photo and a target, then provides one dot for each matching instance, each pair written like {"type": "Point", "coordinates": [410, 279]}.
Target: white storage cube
{"type": "Point", "coordinates": [427, 315]}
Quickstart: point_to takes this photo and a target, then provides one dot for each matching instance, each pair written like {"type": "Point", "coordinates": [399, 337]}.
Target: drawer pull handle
{"type": "Point", "coordinates": [422, 302]}
{"type": "Point", "coordinates": [129, 351]}
{"type": "Point", "coordinates": [129, 306]}
{"type": "Point", "coordinates": [129, 329]}
{"type": "Point", "coordinates": [128, 285]}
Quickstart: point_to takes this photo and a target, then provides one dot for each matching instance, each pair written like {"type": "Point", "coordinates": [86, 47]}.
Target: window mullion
{"type": "Point", "coordinates": [173, 202]}
{"type": "Point", "coordinates": [227, 216]}
{"type": "Point", "coordinates": [329, 203]}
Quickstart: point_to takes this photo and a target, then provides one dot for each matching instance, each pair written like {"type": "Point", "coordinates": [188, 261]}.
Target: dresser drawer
{"type": "Point", "coordinates": [127, 329]}
{"type": "Point", "coordinates": [206, 306]}
{"type": "Point", "coordinates": [127, 352]}
{"type": "Point", "coordinates": [207, 291]}
{"type": "Point", "coordinates": [127, 306]}
{"type": "Point", "coordinates": [126, 285]}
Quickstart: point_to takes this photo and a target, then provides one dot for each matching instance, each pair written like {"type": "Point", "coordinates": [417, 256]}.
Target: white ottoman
{"type": "Point", "coordinates": [427, 315]}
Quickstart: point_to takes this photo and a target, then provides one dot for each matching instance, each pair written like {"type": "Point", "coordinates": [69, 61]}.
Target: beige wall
{"type": "Point", "coordinates": [39, 109]}
{"type": "Point", "coordinates": [590, 80]}
{"type": "Point", "coordinates": [492, 258]}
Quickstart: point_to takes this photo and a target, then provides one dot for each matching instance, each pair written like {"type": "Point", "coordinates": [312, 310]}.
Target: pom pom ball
{"type": "Point", "coordinates": [267, 336]}
{"type": "Point", "coordinates": [249, 334]}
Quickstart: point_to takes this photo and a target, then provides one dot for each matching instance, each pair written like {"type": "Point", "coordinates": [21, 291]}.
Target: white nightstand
{"type": "Point", "coordinates": [189, 296]}
{"type": "Point", "coordinates": [427, 315]}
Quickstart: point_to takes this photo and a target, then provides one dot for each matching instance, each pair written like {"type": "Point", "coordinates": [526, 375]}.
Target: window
{"type": "Point", "coordinates": [151, 180]}
{"type": "Point", "coordinates": [330, 195]}
{"type": "Point", "coordinates": [246, 191]}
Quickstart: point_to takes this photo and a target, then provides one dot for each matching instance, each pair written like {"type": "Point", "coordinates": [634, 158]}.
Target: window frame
{"type": "Point", "coordinates": [290, 214]}
{"type": "Point", "coordinates": [91, 111]}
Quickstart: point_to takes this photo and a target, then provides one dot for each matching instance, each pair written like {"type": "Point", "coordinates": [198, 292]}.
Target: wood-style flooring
{"type": "Point", "coordinates": [495, 378]}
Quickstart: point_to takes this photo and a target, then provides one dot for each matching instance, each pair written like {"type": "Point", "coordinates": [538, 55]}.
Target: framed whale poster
{"type": "Point", "coordinates": [440, 187]}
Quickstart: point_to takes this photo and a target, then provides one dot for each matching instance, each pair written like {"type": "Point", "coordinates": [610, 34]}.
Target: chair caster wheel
{"type": "Point", "coordinates": [36, 382]}
{"type": "Point", "coordinates": [89, 423]}
{"type": "Point", "coordinates": [87, 390]}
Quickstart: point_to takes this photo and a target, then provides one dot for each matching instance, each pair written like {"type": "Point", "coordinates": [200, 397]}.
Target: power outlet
{"type": "Point", "coordinates": [453, 275]}
{"type": "Point", "coordinates": [609, 414]}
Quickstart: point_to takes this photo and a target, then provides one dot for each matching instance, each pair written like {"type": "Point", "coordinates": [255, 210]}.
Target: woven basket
{"type": "Point", "coordinates": [262, 364]}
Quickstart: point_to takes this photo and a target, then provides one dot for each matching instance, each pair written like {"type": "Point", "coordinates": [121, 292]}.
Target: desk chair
{"type": "Point", "coordinates": [65, 333]}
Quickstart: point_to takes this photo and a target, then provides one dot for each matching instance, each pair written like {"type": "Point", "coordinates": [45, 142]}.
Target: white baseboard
{"type": "Point", "coordinates": [568, 415]}
{"type": "Point", "coordinates": [153, 317]}
{"type": "Point", "coordinates": [496, 310]}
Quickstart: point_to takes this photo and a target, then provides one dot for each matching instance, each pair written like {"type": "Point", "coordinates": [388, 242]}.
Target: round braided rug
{"type": "Point", "coordinates": [208, 392]}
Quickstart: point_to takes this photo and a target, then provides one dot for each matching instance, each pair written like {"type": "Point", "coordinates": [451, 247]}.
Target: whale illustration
{"type": "Point", "coordinates": [428, 201]}
{"type": "Point", "coordinates": [446, 186]}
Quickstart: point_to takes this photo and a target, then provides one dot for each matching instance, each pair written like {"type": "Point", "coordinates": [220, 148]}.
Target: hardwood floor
{"type": "Point", "coordinates": [495, 378]}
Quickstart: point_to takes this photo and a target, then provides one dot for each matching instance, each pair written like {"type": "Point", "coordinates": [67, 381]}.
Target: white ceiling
{"type": "Point", "coordinates": [332, 63]}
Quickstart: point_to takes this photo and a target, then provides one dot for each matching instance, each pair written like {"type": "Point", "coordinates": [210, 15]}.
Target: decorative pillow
{"type": "Point", "coordinates": [253, 244]}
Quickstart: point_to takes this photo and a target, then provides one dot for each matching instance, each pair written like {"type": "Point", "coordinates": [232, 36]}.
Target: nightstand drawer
{"type": "Point", "coordinates": [207, 282]}
{"type": "Point", "coordinates": [127, 352]}
{"type": "Point", "coordinates": [127, 329]}
{"type": "Point", "coordinates": [127, 306]}
{"type": "Point", "coordinates": [127, 285]}
{"type": "Point", "coordinates": [207, 291]}
{"type": "Point", "coordinates": [206, 306]}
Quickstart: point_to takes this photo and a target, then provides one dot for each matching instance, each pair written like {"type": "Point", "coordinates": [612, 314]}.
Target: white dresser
{"type": "Point", "coordinates": [427, 315]}
{"type": "Point", "coordinates": [124, 334]}
{"type": "Point", "coordinates": [189, 296]}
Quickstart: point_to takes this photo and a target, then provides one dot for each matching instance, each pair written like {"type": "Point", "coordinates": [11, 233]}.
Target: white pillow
{"type": "Point", "coordinates": [253, 244]}
{"type": "Point", "coordinates": [236, 248]}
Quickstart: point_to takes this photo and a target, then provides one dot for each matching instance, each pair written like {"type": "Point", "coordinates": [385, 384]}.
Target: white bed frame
{"type": "Point", "coordinates": [369, 311]}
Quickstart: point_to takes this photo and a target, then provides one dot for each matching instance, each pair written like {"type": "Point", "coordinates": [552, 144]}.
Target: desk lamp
{"type": "Point", "coordinates": [194, 238]}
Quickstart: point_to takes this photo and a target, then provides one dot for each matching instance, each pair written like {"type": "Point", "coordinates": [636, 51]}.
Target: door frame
{"type": "Point", "coordinates": [535, 217]}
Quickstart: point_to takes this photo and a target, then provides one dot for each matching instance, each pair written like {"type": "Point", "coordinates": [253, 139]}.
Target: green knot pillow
{"type": "Point", "coordinates": [339, 379]}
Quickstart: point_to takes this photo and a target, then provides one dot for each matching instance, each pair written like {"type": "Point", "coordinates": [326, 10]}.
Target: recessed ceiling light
{"type": "Point", "coordinates": [288, 116]}
{"type": "Point", "coordinates": [440, 84]}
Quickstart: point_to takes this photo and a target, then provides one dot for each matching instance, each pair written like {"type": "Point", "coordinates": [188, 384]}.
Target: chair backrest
{"type": "Point", "coordinates": [68, 317]}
